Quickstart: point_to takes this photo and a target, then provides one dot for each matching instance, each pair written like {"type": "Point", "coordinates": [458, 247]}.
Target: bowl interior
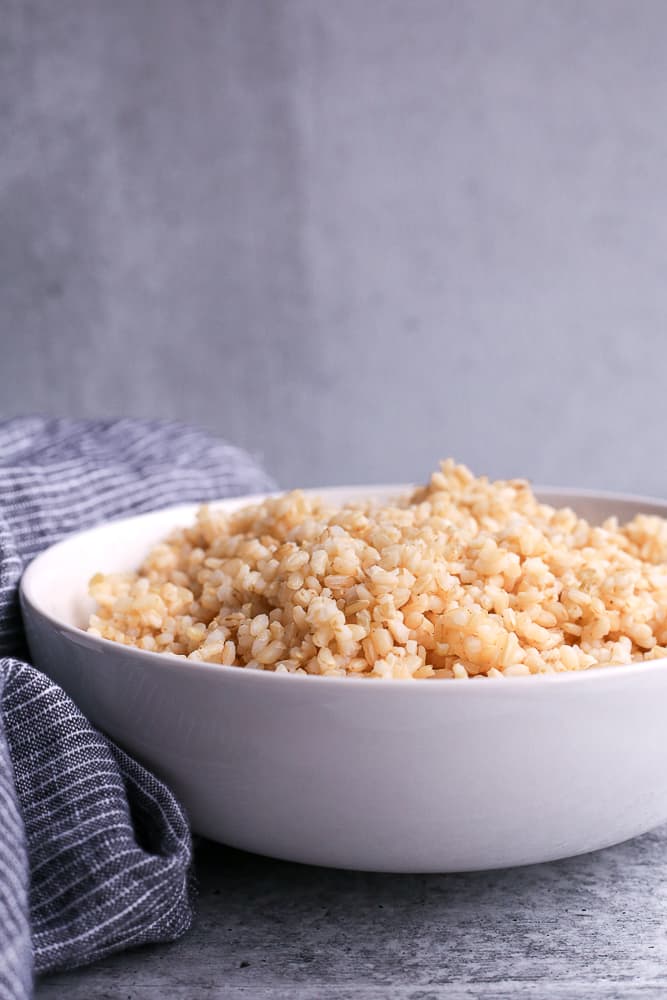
{"type": "Point", "coordinates": [56, 582]}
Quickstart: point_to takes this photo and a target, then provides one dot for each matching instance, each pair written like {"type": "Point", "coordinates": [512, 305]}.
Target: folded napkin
{"type": "Point", "coordinates": [94, 850]}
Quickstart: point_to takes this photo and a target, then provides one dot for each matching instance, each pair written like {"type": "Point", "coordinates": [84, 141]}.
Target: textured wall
{"type": "Point", "coordinates": [352, 236]}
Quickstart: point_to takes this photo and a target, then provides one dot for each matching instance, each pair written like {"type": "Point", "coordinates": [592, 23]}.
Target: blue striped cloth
{"type": "Point", "coordinates": [94, 850]}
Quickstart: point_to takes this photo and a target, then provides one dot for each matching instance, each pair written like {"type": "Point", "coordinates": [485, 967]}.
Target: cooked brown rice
{"type": "Point", "coordinates": [463, 578]}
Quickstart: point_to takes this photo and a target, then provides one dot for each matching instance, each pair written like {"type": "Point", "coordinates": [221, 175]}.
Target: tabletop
{"type": "Point", "coordinates": [593, 927]}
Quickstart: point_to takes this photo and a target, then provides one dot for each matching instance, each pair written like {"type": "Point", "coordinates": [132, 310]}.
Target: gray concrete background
{"type": "Point", "coordinates": [351, 236]}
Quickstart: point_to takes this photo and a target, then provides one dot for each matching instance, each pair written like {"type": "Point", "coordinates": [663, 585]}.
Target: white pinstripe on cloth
{"type": "Point", "coordinates": [94, 850]}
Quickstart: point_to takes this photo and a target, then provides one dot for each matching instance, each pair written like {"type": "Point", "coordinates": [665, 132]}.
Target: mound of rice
{"type": "Point", "coordinates": [461, 579]}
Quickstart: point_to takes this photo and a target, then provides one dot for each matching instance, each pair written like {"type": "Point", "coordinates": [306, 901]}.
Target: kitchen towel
{"type": "Point", "coordinates": [94, 850]}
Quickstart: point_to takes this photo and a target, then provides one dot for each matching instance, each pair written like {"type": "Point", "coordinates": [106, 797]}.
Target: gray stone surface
{"type": "Point", "coordinates": [353, 236]}
{"type": "Point", "coordinates": [591, 928]}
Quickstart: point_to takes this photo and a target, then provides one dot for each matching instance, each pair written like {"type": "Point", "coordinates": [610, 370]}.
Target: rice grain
{"type": "Point", "coordinates": [463, 578]}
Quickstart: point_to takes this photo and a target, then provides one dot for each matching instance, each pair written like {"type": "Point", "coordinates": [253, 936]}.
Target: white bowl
{"type": "Point", "coordinates": [384, 775]}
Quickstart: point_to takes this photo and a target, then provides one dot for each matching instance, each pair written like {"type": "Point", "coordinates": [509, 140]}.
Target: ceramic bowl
{"type": "Point", "coordinates": [384, 775]}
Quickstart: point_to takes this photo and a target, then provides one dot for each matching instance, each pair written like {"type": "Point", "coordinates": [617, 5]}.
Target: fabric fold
{"type": "Point", "coordinates": [95, 851]}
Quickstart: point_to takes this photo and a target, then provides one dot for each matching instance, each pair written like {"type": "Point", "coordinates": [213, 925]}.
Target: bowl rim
{"type": "Point", "coordinates": [174, 662]}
